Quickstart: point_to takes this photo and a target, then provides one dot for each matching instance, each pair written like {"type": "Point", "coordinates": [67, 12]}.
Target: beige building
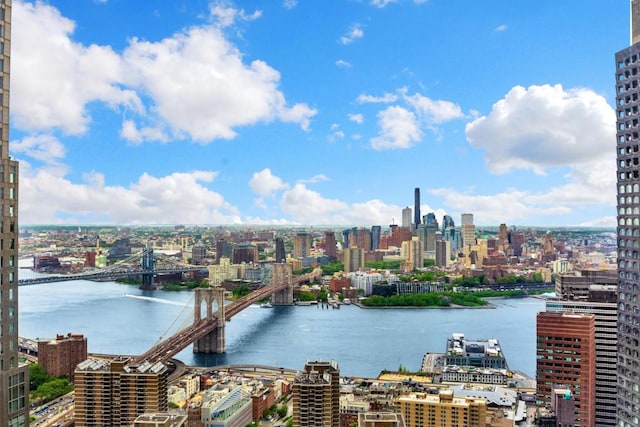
{"type": "Point", "coordinates": [353, 259]}
{"type": "Point", "coordinates": [380, 419]}
{"type": "Point", "coordinates": [14, 378]}
{"type": "Point", "coordinates": [443, 409]}
{"type": "Point", "coordinates": [316, 395]}
{"type": "Point", "coordinates": [115, 393]}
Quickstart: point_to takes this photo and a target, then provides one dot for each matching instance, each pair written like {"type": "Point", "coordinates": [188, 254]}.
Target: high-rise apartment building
{"type": "Point", "coordinates": [566, 356]}
{"type": "Point", "coordinates": [115, 393]}
{"type": "Point", "coordinates": [406, 217]}
{"type": "Point", "coordinates": [301, 245]}
{"type": "Point", "coordinates": [14, 378]}
{"type": "Point", "coordinates": [60, 356]}
{"type": "Point", "coordinates": [628, 178]}
{"type": "Point", "coordinates": [353, 259]}
{"type": "Point", "coordinates": [376, 233]}
{"type": "Point", "coordinates": [281, 255]}
{"type": "Point", "coordinates": [416, 208]}
{"type": "Point", "coordinates": [468, 230]}
{"type": "Point", "coordinates": [316, 395]}
{"type": "Point", "coordinates": [330, 244]}
{"type": "Point", "coordinates": [601, 302]}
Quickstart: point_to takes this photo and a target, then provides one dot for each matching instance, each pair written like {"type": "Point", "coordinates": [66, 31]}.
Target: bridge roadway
{"type": "Point", "coordinates": [171, 346]}
{"type": "Point", "coordinates": [102, 275]}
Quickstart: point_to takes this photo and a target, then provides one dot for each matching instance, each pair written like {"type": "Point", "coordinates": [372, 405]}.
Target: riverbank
{"type": "Point", "coordinates": [451, 306]}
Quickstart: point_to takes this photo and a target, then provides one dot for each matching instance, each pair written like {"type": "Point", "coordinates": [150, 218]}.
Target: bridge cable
{"type": "Point", "coordinates": [187, 304]}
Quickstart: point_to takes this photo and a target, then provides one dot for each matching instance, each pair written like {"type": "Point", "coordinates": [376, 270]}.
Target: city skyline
{"type": "Point", "coordinates": [295, 113]}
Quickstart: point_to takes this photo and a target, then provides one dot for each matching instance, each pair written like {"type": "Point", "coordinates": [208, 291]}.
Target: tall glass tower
{"type": "Point", "coordinates": [14, 378]}
{"type": "Point", "coordinates": [628, 177]}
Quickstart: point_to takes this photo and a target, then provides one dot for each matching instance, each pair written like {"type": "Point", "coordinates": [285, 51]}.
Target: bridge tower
{"type": "Point", "coordinates": [282, 273]}
{"type": "Point", "coordinates": [147, 264]}
{"type": "Point", "coordinates": [213, 342]}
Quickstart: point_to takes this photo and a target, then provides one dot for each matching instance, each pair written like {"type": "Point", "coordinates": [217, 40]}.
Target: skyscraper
{"type": "Point", "coordinates": [628, 177]}
{"type": "Point", "coordinates": [416, 207]}
{"type": "Point", "coordinates": [566, 355]}
{"type": "Point", "coordinates": [14, 378]}
{"type": "Point", "coordinates": [406, 217]}
{"type": "Point", "coordinates": [281, 255]}
{"type": "Point", "coordinates": [316, 395]}
{"type": "Point", "coordinates": [330, 244]}
{"type": "Point", "coordinates": [468, 229]}
{"type": "Point", "coordinates": [302, 245]}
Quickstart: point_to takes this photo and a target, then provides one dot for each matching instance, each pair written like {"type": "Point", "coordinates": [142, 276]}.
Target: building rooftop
{"type": "Point", "coordinates": [460, 346]}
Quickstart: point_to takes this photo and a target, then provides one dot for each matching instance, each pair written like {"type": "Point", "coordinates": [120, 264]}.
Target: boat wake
{"type": "Point", "coordinates": [152, 299]}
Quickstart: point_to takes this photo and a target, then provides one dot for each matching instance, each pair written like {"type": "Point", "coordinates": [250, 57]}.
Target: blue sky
{"type": "Point", "coordinates": [315, 112]}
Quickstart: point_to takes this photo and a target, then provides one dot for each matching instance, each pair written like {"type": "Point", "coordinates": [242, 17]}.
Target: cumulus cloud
{"type": "Point", "coordinates": [398, 129]}
{"type": "Point", "coordinates": [309, 207]}
{"type": "Point", "coordinates": [46, 196]}
{"type": "Point", "coordinates": [343, 64]}
{"type": "Point", "coordinates": [500, 28]}
{"type": "Point", "coordinates": [193, 84]}
{"type": "Point", "coordinates": [264, 183]}
{"type": "Point", "coordinates": [354, 33]}
{"type": "Point", "coordinates": [544, 126]}
{"type": "Point", "coordinates": [54, 78]}
{"type": "Point", "coordinates": [433, 111]}
{"type": "Point", "coordinates": [371, 99]}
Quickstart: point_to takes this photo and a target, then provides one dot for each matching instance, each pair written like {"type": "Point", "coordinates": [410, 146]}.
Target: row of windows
{"type": "Point", "coordinates": [630, 243]}
{"type": "Point", "coordinates": [627, 308]}
{"type": "Point", "coordinates": [628, 137]}
{"type": "Point", "coordinates": [632, 320]}
{"type": "Point", "coordinates": [628, 99]}
{"type": "Point", "coordinates": [632, 111]}
{"type": "Point", "coordinates": [628, 61]}
{"type": "Point", "coordinates": [629, 297]}
{"type": "Point", "coordinates": [628, 163]}
{"type": "Point", "coordinates": [627, 74]}
{"type": "Point", "coordinates": [629, 200]}
{"type": "Point", "coordinates": [629, 175]}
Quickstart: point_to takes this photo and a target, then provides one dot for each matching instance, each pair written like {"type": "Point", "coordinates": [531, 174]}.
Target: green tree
{"type": "Point", "coordinates": [282, 411]}
{"type": "Point", "coordinates": [37, 376]}
{"type": "Point", "coordinates": [53, 389]}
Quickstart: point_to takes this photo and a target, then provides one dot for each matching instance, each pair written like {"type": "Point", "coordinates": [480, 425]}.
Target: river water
{"type": "Point", "coordinates": [121, 319]}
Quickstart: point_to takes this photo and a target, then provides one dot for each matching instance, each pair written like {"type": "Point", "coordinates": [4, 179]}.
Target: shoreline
{"type": "Point", "coordinates": [448, 307]}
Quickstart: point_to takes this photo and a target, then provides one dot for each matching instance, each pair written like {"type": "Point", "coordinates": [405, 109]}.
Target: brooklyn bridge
{"type": "Point", "coordinates": [207, 333]}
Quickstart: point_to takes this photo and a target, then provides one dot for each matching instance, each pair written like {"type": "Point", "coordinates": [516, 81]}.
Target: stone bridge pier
{"type": "Point", "coordinates": [282, 273]}
{"type": "Point", "coordinates": [213, 342]}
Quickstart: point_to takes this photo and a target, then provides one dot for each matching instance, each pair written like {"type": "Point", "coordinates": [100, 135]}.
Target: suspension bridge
{"type": "Point", "coordinates": [207, 331]}
{"type": "Point", "coordinates": [143, 264]}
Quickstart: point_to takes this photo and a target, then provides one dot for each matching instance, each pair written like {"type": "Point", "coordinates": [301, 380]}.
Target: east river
{"type": "Point", "coordinates": [121, 319]}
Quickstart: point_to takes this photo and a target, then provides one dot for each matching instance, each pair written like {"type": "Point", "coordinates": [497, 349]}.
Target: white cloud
{"type": "Point", "coordinates": [398, 129]}
{"type": "Point", "coordinates": [54, 78]}
{"type": "Point", "coordinates": [511, 206]}
{"type": "Point", "coordinates": [264, 183]}
{"type": "Point", "coordinates": [306, 206]}
{"type": "Point", "coordinates": [289, 4]}
{"type": "Point", "coordinates": [45, 148]}
{"type": "Point", "coordinates": [195, 83]}
{"type": "Point", "coordinates": [224, 15]}
{"type": "Point", "coordinates": [356, 118]}
{"type": "Point", "coordinates": [382, 3]}
{"type": "Point", "coordinates": [433, 111]}
{"type": "Point", "coordinates": [500, 28]}
{"type": "Point", "coordinates": [47, 196]}
{"type": "Point", "coordinates": [354, 33]}
{"type": "Point", "coordinates": [371, 99]}
{"type": "Point", "coordinates": [343, 64]}
{"type": "Point", "coordinates": [314, 179]}
{"type": "Point", "coordinates": [544, 126]}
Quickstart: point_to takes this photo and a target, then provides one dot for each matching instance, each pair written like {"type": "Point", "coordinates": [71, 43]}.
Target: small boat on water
{"type": "Point", "coordinates": [266, 305]}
